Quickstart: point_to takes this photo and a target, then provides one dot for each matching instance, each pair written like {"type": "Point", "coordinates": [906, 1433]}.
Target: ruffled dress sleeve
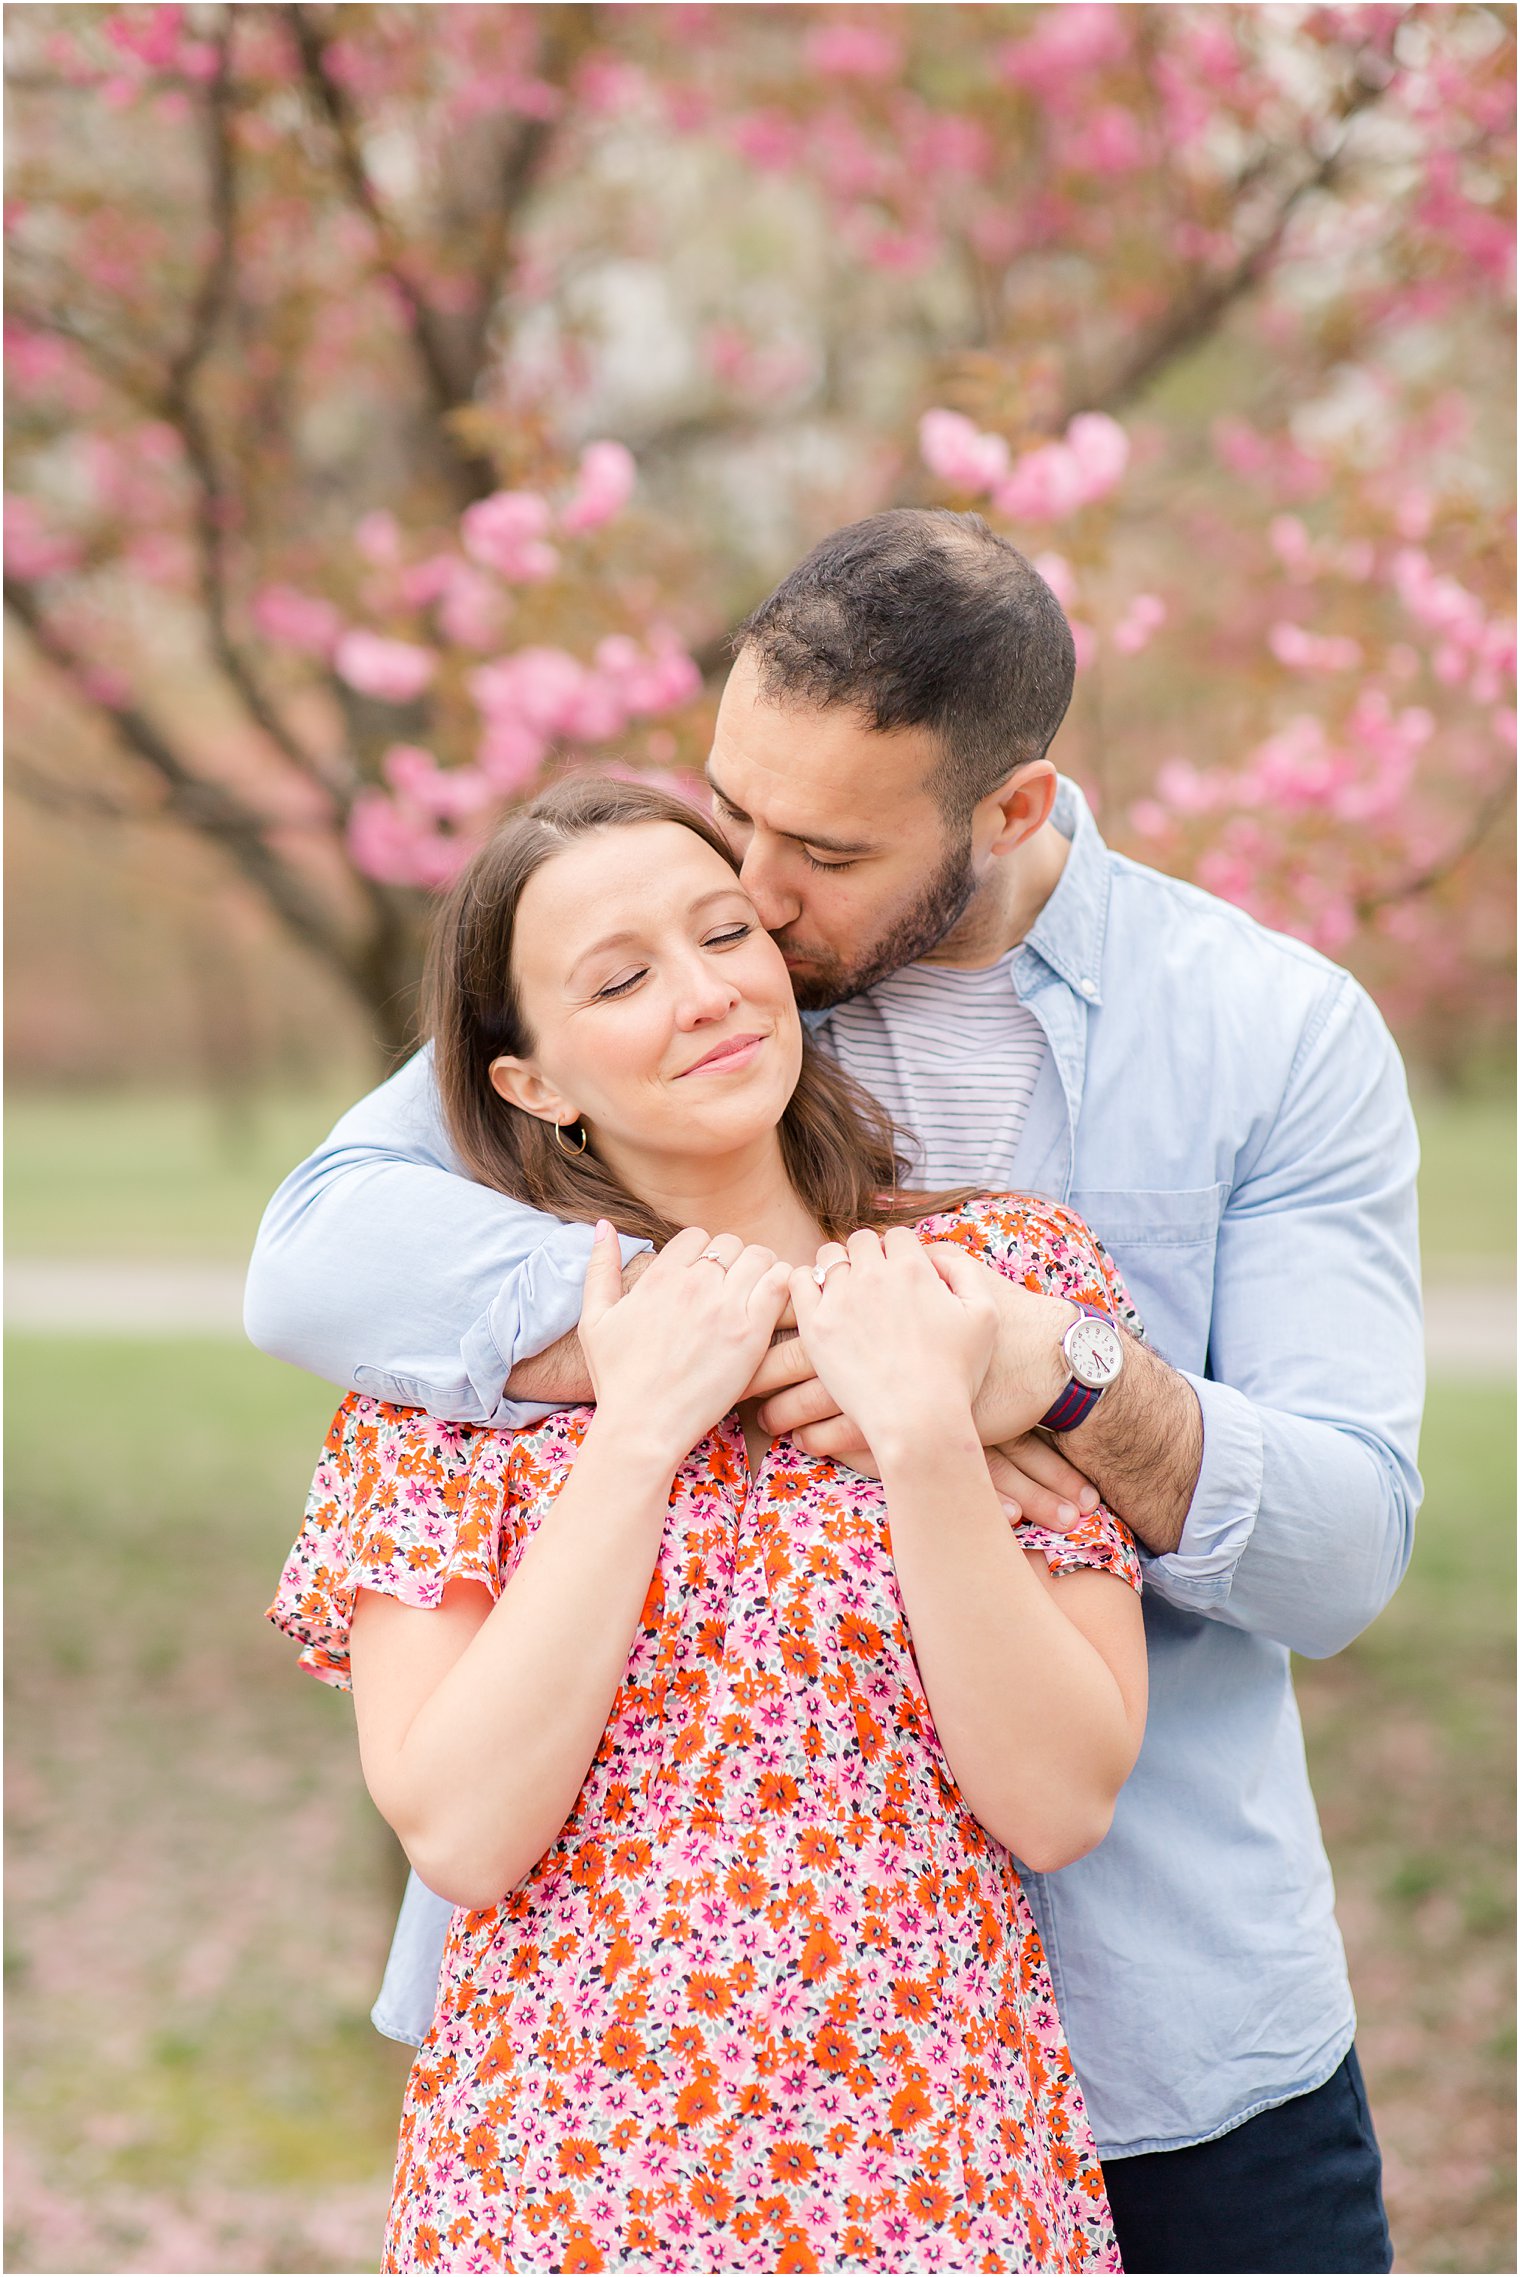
{"type": "Point", "coordinates": [402, 1504]}
{"type": "Point", "coordinates": [1047, 1248]}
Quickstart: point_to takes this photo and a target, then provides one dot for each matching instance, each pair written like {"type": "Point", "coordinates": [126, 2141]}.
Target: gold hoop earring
{"type": "Point", "coordinates": [559, 1139]}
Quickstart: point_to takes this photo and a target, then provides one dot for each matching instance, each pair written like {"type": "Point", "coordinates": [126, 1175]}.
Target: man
{"type": "Point", "coordinates": [1227, 1111]}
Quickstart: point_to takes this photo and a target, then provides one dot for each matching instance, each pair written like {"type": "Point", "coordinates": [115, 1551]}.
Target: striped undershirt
{"type": "Point", "coordinates": [953, 1057]}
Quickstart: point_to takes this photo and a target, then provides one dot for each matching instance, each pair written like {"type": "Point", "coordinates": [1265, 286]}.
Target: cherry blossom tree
{"type": "Point", "coordinates": [406, 401]}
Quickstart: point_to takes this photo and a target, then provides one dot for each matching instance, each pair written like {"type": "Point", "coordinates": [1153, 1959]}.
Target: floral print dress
{"type": "Point", "coordinates": [774, 2000]}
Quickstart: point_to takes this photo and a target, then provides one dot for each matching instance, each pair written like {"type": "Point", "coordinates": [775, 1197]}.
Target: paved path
{"type": "Point", "coordinates": [1470, 1328]}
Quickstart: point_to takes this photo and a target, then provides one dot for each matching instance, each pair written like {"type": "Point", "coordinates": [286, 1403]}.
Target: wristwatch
{"type": "Point", "coordinates": [1094, 1352]}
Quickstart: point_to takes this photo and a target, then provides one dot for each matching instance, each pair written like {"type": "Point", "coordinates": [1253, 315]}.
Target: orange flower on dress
{"type": "Point", "coordinates": [707, 1993]}
{"type": "Point", "coordinates": [910, 2108]}
{"type": "Point", "coordinates": [711, 2200]}
{"type": "Point", "coordinates": [747, 1888]}
{"type": "Point", "coordinates": [834, 2050]}
{"type": "Point", "coordinates": [697, 2102]}
{"type": "Point", "coordinates": [581, 2253]}
{"type": "Point", "coordinates": [820, 1954]}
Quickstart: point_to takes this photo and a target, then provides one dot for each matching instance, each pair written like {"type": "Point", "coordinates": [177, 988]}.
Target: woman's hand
{"type": "Point", "coordinates": [677, 1351]}
{"type": "Point", "coordinates": [901, 1340]}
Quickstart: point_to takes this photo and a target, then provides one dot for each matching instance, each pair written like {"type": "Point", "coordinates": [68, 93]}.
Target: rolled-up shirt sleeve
{"type": "Point", "coordinates": [1302, 1521]}
{"type": "Point", "coordinates": [384, 1269]}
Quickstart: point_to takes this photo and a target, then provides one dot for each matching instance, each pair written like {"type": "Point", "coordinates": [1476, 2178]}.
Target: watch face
{"type": "Point", "coordinates": [1094, 1352]}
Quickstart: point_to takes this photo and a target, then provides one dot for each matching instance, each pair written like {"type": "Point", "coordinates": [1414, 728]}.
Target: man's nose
{"type": "Point", "coordinates": [776, 903]}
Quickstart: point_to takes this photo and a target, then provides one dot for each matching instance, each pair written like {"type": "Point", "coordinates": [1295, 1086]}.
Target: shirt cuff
{"type": "Point", "coordinates": [1222, 1514]}
{"type": "Point", "coordinates": [536, 1307]}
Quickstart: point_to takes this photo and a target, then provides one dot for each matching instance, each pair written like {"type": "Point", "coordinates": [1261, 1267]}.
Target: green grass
{"type": "Point", "coordinates": [200, 1895]}
{"type": "Point", "coordinates": [1467, 1185]}
{"type": "Point", "coordinates": [149, 1175]}
{"type": "Point", "coordinates": [1410, 1735]}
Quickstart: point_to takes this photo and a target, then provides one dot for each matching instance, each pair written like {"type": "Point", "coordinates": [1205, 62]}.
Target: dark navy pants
{"type": "Point", "coordinates": [1296, 2189]}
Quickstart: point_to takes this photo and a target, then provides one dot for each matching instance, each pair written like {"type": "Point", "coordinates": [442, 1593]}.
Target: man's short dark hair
{"type": "Point", "coordinates": [923, 618]}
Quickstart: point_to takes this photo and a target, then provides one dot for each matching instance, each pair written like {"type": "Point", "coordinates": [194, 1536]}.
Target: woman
{"type": "Point", "coordinates": [721, 1749]}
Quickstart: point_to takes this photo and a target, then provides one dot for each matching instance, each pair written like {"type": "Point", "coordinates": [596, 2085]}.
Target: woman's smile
{"type": "Point", "coordinates": [733, 1052]}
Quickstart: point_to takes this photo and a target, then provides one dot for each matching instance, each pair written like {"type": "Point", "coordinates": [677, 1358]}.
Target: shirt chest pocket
{"type": "Point", "coordinates": [1163, 1241]}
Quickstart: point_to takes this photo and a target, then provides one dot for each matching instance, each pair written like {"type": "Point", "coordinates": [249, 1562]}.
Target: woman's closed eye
{"type": "Point", "coordinates": [621, 987]}
{"type": "Point", "coordinates": [728, 937]}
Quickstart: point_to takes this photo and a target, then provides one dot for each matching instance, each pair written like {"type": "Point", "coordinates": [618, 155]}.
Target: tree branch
{"type": "Point", "coordinates": [1200, 312]}
{"type": "Point", "coordinates": [53, 797]}
{"type": "Point", "coordinates": [474, 476]}
{"type": "Point", "coordinates": [528, 153]}
{"type": "Point", "coordinates": [210, 808]}
{"type": "Point", "coordinates": [1435, 873]}
{"type": "Point", "coordinates": [180, 408]}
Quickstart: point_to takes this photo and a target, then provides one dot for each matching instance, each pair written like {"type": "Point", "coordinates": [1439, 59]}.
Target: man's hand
{"type": "Point", "coordinates": [559, 1373]}
{"type": "Point", "coordinates": [1033, 1480]}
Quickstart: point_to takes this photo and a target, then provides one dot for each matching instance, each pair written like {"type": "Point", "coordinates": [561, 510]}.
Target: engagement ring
{"type": "Point", "coordinates": [710, 1257]}
{"type": "Point", "coordinates": [822, 1272]}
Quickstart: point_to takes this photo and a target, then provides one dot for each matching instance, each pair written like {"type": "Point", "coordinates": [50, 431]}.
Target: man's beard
{"type": "Point", "coordinates": [826, 981]}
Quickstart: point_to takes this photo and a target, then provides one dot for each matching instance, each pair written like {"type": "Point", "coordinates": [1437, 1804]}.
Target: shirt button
{"type": "Point", "coordinates": [1089, 988]}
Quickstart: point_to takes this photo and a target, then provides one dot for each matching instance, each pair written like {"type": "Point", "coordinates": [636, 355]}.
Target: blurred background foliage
{"type": "Point", "coordinates": [297, 297]}
{"type": "Point", "coordinates": [406, 403]}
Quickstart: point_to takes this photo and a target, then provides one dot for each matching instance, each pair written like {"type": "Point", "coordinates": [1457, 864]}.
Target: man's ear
{"type": "Point", "coordinates": [1022, 805]}
{"type": "Point", "coordinates": [520, 1084]}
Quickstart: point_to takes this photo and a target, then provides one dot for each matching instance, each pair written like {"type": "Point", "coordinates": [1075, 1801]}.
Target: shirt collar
{"type": "Point", "coordinates": [1068, 933]}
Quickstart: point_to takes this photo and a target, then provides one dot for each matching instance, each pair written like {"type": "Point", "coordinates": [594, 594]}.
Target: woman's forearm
{"type": "Point", "coordinates": [483, 1777]}
{"type": "Point", "coordinates": [1031, 1718]}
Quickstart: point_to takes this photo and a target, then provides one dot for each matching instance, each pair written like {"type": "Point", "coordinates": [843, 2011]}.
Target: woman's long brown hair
{"type": "Point", "coordinates": [839, 1148]}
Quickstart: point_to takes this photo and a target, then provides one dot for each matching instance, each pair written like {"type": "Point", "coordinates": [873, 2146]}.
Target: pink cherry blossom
{"type": "Point", "coordinates": [1058, 575]}
{"type": "Point", "coordinates": [1180, 786]}
{"type": "Point", "coordinates": [293, 619]}
{"type": "Point", "coordinates": [510, 755]}
{"type": "Point", "coordinates": [31, 548]}
{"type": "Point", "coordinates": [853, 48]}
{"type": "Point", "coordinates": [959, 453]}
{"type": "Point", "coordinates": [472, 608]}
{"type": "Point", "coordinates": [1101, 449]}
{"type": "Point", "coordinates": [1064, 44]}
{"type": "Point", "coordinates": [603, 487]}
{"type": "Point", "coordinates": [1112, 144]}
{"type": "Point", "coordinates": [538, 686]}
{"type": "Point", "coordinates": [451, 793]}
{"type": "Point", "coordinates": [770, 140]}
{"type": "Point", "coordinates": [399, 847]}
{"type": "Point", "coordinates": [1046, 485]}
{"type": "Point", "coordinates": [423, 582]}
{"type": "Point", "coordinates": [1141, 620]}
{"type": "Point", "coordinates": [1303, 651]}
{"type": "Point", "coordinates": [595, 712]}
{"type": "Point", "coordinates": [377, 537]}
{"type": "Point", "coordinates": [505, 532]}
{"type": "Point", "coordinates": [393, 671]}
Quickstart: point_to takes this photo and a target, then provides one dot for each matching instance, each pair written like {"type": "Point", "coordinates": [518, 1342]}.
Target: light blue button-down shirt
{"type": "Point", "coordinates": [1228, 1112]}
